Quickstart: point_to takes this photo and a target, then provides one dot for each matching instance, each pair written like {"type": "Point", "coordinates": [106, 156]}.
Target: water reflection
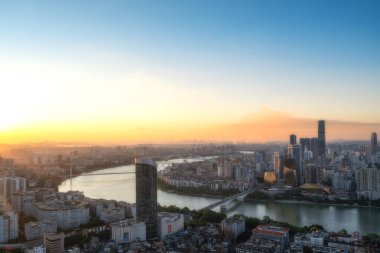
{"type": "Point", "coordinates": [122, 187]}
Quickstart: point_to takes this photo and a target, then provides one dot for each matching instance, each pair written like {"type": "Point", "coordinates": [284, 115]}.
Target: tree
{"type": "Point", "coordinates": [307, 249]}
{"type": "Point", "coordinates": [267, 219]}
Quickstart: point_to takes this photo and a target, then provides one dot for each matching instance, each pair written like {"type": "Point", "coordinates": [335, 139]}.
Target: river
{"type": "Point", "coordinates": [333, 218]}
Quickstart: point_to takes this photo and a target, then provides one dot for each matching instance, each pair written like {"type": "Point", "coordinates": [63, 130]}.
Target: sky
{"type": "Point", "coordinates": [173, 71]}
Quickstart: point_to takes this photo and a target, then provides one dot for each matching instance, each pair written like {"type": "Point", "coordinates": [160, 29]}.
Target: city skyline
{"type": "Point", "coordinates": [137, 72]}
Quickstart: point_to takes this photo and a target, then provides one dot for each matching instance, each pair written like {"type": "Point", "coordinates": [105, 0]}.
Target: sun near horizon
{"type": "Point", "coordinates": [128, 72]}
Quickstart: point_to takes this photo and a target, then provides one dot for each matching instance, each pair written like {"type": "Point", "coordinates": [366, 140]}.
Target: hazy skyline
{"type": "Point", "coordinates": [146, 71]}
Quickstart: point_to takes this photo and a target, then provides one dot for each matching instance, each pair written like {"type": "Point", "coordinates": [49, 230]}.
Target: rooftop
{"type": "Point", "coordinates": [127, 223]}
{"type": "Point", "coordinates": [147, 161]}
{"type": "Point", "coordinates": [169, 216]}
{"type": "Point", "coordinates": [270, 230]}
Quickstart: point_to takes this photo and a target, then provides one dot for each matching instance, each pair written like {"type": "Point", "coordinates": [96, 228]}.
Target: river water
{"type": "Point", "coordinates": [333, 218]}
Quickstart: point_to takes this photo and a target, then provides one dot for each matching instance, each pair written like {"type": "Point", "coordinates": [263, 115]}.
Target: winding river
{"type": "Point", "coordinates": [333, 218]}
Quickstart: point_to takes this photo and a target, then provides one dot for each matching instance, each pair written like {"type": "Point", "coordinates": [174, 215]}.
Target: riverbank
{"type": "Point", "coordinates": [198, 192]}
{"type": "Point", "coordinates": [284, 201]}
{"type": "Point", "coordinates": [189, 194]}
{"type": "Point", "coordinates": [292, 201]}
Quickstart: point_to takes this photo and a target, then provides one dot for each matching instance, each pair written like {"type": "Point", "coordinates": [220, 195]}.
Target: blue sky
{"type": "Point", "coordinates": [316, 59]}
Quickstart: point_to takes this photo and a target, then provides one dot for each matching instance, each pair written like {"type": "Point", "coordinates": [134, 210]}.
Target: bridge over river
{"type": "Point", "coordinates": [222, 203]}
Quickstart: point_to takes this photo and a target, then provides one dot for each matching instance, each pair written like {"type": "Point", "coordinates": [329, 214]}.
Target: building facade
{"type": "Point", "coordinates": [279, 159]}
{"type": "Point", "coordinates": [368, 183]}
{"type": "Point", "coordinates": [169, 223]}
{"type": "Point", "coordinates": [8, 185]}
{"type": "Point", "coordinates": [146, 195]}
{"type": "Point", "coordinates": [35, 230]}
{"type": "Point", "coordinates": [373, 144]}
{"type": "Point", "coordinates": [321, 138]}
{"type": "Point", "coordinates": [8, 226]}
{"type": "Point", "coordinates": [233, 226]}
{"type": "Point", "coordinates": [127, 231]}
{"type": "Point", "coordinates": [279, 235]}
{"type": "Point", "coordinates": [54, 243]}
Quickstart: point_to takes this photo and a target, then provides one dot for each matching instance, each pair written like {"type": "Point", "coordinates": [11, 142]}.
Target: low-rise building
{"type": "Point", "coordinates": [66, 215]}
{"type": "Point", "coordinates": [36, 249]}
{"type": "Point", "coordinates": [169, 223]}
{"type": "Point", "coordinates": [277, 234]}
{"type": "Point", "coordinates": [34, 230]}
{"type": "Point", "coordinates": [233, 226]}
{"type": "Point", "coordinates": [127, 231]}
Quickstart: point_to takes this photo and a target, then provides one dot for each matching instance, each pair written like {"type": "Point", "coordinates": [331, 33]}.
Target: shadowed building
{"type": "Point", "coordinates": [293, 139]}
{"type": "Point", "coordinates": [279, 164]}
{"type": "Point", "coordinates": [290, 172]}
{"type": "Point", "coordinates": [373, 143]}
{"type": "Point", "coordinates": [321, 138]}
{"type": "Point", "coordinates": [295, 152]}
{"type": "Point", "coordinates": [314, 146]}
{"type": "Point", "coordinates": [146, 195]}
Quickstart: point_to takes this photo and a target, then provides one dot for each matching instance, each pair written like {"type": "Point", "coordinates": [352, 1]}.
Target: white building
{"type": "Point", "coordinates": [109, 212]}
{"type": "Point", "coordinates": [368, 183]}
{"type": "Point", "coordinates": [66, 216]}
{"type": "Point", "coordinates": [316, 240]}
{"type": "Point", "coordinates": [34, 230]}
{"type": "Point", "coordinates": [169, 223]}
{"type": "Point", "coordinates": [128, 230]}
{"type": "Point", "coordinates": [8, 226]}
{"type": "Point", "coordinates": [36, 249]}
{"type": "Point", "coordinates": [233, 226]}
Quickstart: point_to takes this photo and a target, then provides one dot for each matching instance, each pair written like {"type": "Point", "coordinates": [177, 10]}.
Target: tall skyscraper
{"type": "Point", "coordinates": [321, 138]}
{"type": "Point", "coordinates": [293, 139]}
{"type": "Point", "coordinates": [305, 146]}
{"type": "Point", "coordinates": [314, 146]}
{"type": "Point", "coordinates": [373, 143]}
{"type": "Point", "coordinates": [279, 159]}
{"type": "Point", "coordinates": [146, 195]}
{"type": "Point", "coordinates": [295, 152]}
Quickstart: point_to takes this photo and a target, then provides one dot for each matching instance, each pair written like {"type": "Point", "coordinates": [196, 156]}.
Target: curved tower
{"type": "Point", "coordinates": [146, 195]}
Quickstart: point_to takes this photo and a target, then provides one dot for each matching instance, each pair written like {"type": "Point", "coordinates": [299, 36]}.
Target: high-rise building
{"type": "Point", "coordinates": [368, 182]}
{"type": "Point", "coordinates": [295, 152]}
{"type": "Point", "coordinates": [8, 226]}
{"type": "Point", "coordinates": [279, 164]}
{"type": "Point", "coordinates": [314, 146]}
{"type": "Point", "coordinates": [373, 143]}
{"type": "Point", "coordinates": [228, 169]}
{"type": "Point", "coordinates": [146, 195]}
{"type": "Point", "coordinates": [321, 138]}
{"type": "Point", "coordinates": [290, 172]}
{"type": "Point", "coordinates": [297, 156]}
{"type": "Point", "coordinates": [293, 139]}
{"type": "Point", "coordinates": [8, 185]}
{"type": "Point", "coordinates": [305, 145]}
{"type": "Point", "coordinates": [312, 174]}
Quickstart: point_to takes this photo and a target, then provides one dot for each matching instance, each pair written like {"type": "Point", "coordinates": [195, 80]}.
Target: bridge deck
{"type": "Point", "coordinates": [228, 199]}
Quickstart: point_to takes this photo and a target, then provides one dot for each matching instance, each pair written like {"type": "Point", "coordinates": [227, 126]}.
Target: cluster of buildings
{"type": "Point", "coordinates": [53, 211]}
{"type": "Point", "coordinates": [228, 172]}
{"type": "Point", "coordinates": [338, 170]}
{"type": "Point", "coordinates": [266, 239]}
